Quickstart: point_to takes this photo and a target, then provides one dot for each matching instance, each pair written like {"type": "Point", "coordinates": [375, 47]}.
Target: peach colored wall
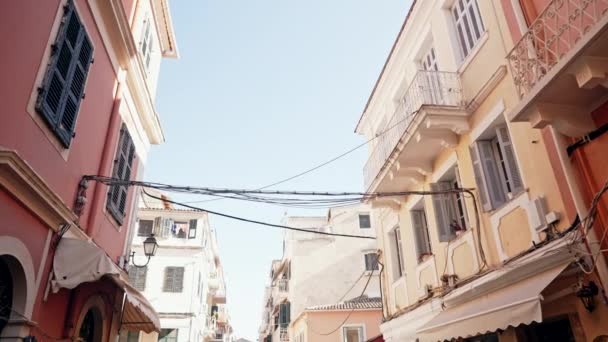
{"type": "Point", "coordinates": [323, 322]}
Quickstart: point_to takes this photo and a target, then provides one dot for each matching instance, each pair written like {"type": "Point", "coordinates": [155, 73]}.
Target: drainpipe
{"type": "Point", "coordinates": [582, 210]}
{"type": "Point", "coordinates": [105, 165]}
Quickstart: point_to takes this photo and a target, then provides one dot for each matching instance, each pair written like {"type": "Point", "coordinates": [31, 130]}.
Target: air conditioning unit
{"type": "Point", "coordinates": [537, 212]}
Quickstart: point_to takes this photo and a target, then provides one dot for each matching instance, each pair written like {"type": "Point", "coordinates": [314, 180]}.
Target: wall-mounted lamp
{"type": "Point", "coordinates": [150, 247]}
{"type": "Point", "coordinates": [587, 293]}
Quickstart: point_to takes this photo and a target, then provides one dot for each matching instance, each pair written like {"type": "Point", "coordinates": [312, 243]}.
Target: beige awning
{"type": "Point", "coordinates": [516, 304]}
{"type": "Point", "coordinates": [81, 261]}
{"type": "Point", "coordinates": [138, 314]}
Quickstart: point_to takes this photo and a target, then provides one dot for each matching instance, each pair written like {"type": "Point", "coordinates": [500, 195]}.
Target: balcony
{"type": "Point", "coordinates": [560, 66]}
{"type": "Point", "coordinates": [427, 119]}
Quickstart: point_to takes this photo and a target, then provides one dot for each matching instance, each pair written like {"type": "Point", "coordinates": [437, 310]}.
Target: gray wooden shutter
{"type": "Point", "coordinates": [117, 197]}
{"type": "Point", "coordinates": [63, 87]}
{"type": "Point", "coordinates": [486, 175]}
{"type": "Point", "coordinates": [444, 211]}
{"type": "Point", "coordinates": [157, 230]}
{"type": "Point", "coordinates": [491, 173]}
{"type": "Point", "coordinates": [179, 279]}
{"type": "Point", "coordinates": [168, 280]}
{"type": "Point", "coordinates": [419, 228]}
{"type": "Point", "coordinates": [504, 140]}
{"type": "Point", "coordinates": [137, 277]}
{"type": "Point", "coordinates": [192, 229]}
{"type": "Point", "coordinates": [461, 196]}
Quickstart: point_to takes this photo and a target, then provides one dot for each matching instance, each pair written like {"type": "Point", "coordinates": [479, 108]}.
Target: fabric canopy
{"type": "Point", "coordinates": [138, 314]}
{"type": "Point", "coordinates": [510, 306]}
{"type": "Point", "coordinates": [81, 261]}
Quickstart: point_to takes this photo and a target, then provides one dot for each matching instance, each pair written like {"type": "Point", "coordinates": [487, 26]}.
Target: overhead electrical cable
{"type": "Point", "coordinates": [311, 231]}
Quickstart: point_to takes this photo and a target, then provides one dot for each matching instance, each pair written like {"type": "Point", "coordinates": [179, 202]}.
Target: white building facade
{"type": "Point", "coordinates": [319, 269]}
{"type": "Point", "coordinates": [184, 281]}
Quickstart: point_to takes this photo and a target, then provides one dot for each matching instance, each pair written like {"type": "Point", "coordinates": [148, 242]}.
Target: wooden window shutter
{"type": "Point", "coordinates": [137, 277]}
{"type": "Point", "coordinates": [512, 169]}
{"type": "Point", "coordinates": [420, 232]}
{"type": "Point", "coordinates": [192, 229]}
{"type": "Point", "coordinates": [157, 230]}
{"type": "Point", "coordinates": [491, 174]}
{"type": "Point", "coordinates": [179, 279]}
{"type": "Point", "coordinates": [117, 198]}
{"type": "Point", "coordinates": [63, 87]}
{"type": "Point", "coordinates": [444, 211]}
{"type": "Point", "coordinates": [168, 280]}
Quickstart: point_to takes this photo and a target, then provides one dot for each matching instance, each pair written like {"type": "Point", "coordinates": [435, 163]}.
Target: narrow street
{"type": "Point", "coordinates": [187, 171]}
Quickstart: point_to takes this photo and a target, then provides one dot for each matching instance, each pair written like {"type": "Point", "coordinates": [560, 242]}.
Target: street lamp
{"type": "Point", "coordinates": [150, 247]}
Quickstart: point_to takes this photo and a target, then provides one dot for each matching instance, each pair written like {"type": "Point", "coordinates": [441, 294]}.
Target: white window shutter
{"type": "Point", "coordinates": [443, 211]}
{"type": "Point", "coordinates": [491, 173]}
{"type": "Point", "coordinates": [504, 140]}
{"type": "Point", "coordinates": [419, 232]}
{"type": "Point", "coordinates": [157, 228]}
{"type": "Point", "coordinates": [482, 187]}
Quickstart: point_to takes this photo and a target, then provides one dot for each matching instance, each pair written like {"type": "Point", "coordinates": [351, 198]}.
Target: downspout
{"type": "Point", "coordinates": [592, 241]}
{"type": "Point", "coordinates": [105, 165]}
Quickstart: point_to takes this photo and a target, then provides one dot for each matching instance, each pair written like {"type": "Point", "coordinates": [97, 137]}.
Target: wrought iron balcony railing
{"type": "Point", "coordinates": [434, 88]}
{"type": "Point", "coordinates": [554, 33]}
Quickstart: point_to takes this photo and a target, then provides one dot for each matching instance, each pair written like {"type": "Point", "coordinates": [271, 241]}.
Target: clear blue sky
{"type": "Point", "coordinates": [263, 90]}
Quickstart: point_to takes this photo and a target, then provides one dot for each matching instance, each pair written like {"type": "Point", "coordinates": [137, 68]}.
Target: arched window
{"type": "Point", "coordinates": [91, 326]}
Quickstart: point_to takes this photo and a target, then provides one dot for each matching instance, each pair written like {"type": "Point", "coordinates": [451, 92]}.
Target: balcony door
{"type": "Point", "coordinates": [431, 82]}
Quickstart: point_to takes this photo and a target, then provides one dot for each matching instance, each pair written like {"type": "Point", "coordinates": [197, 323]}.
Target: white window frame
{"type": "Point", "coordinates": [464, 13]}
{"type": "Point", "coordinates": [361, 327]}
{"type": "Point", "coordinates": [495, 161]}
{"type": "Point", "coordinates": [146, 41]}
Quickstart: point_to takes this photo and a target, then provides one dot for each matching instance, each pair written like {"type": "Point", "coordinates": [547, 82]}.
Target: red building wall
{"type": "Point", "coordinates": [19, 66]}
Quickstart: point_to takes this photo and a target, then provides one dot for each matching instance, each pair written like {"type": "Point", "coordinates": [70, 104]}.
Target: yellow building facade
{"type": "Point", "coordinates": [475, 263]}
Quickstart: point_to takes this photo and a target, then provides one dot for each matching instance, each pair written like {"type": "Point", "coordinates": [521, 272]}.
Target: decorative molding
{"type": "Point", "coordinates": [22, 182]}
{"type": "Point", "coordinates": [17, 249]}
{"type": "Point", "coordinates": [428, 263]}
{"type": "Point", "coordinates": [486, 122]}
{"type": "Point", "coordinates": [465, 238]}
{"type": "Point", "coordinates": [571, 121]}
{"type": "Point", "coordinates": [521, 201]}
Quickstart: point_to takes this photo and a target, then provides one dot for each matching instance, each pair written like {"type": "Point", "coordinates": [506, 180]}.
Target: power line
{"type": "Point", "coordinates": [344, 154]}
{"type": "Point", "coordinates": [349, 314]}
{"type": "Point", "coordinates": [259, 222]}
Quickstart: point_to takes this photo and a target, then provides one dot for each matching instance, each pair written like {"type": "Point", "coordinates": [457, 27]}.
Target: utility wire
{"type": "Point", "coordinates": [344, 154]}
{"type": "Point", "coordinates": [349, 314]}
{"type": "Point", "coordinates": [258, 222]}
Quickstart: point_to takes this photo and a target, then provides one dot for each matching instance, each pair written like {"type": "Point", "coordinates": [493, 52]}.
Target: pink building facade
{"type": "Point", "coordinates": [78, 81]}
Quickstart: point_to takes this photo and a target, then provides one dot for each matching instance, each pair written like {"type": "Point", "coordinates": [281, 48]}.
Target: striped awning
{"type": "Point", "coordinates": [138, 314]}
{"type": "Point", "coordinates": [82, 261]}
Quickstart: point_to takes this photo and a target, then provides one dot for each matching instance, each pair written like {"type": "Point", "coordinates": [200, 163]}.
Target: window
{"type": "Point", "coordinates": [192, 229]}
{"type": "Point", "coordinates": [371, 262]}
{"type": "Point", "coordinates": [353, 334]}
{"type": "Point", "coordinates": [397, 254]}
{"type": "Point", "coordinates": [180, 229]}
{"type": "Point", "coordinates": [364, 221]}
{"type": "Point", "coordinates": [129, 336]}
{"type": "Point", "coordinates": [145, 227]}
{"type": "Point", "coordinates": [496, 170]}
{"type": "Point", "coordinates": [469, 26]}
{"type": "Point", "coordinates": [167, 335]}
{"type": "Point", "coordinates": [146, 42]}
{"type": "Point", "coordinates": [284, 314]}
{"type": "Point", "coordinates": [421, 233]}
{"type": "Point", "coordinates": [450, 209]}
{"type": "Point", "coordinates": [63, 86]}
{"type": "Point", "coordinates": [174, 279]}
{"type": "Point", "coordinates": [137, 277]}
{"type": "Point", "coordinates": [117, 196]}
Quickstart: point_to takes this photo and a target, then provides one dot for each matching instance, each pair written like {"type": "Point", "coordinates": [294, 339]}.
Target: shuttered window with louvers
{"type": "Point", "coordinates": [123, 164]}
{"type": "Point", "coordinates": [63, 86]}
{"type": "Point", "coordinates": [174, 279]}
{"type": "Point", "coordinates": [421, 233]}
{"type": "Point", "coordinates": [137, 277]}
{"type": "Point", "coordinates": [496, 170]}
{"type": "Point", "coordinates": [192, 229]}
{"type": "Point", "coordinates": [445, 211]}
